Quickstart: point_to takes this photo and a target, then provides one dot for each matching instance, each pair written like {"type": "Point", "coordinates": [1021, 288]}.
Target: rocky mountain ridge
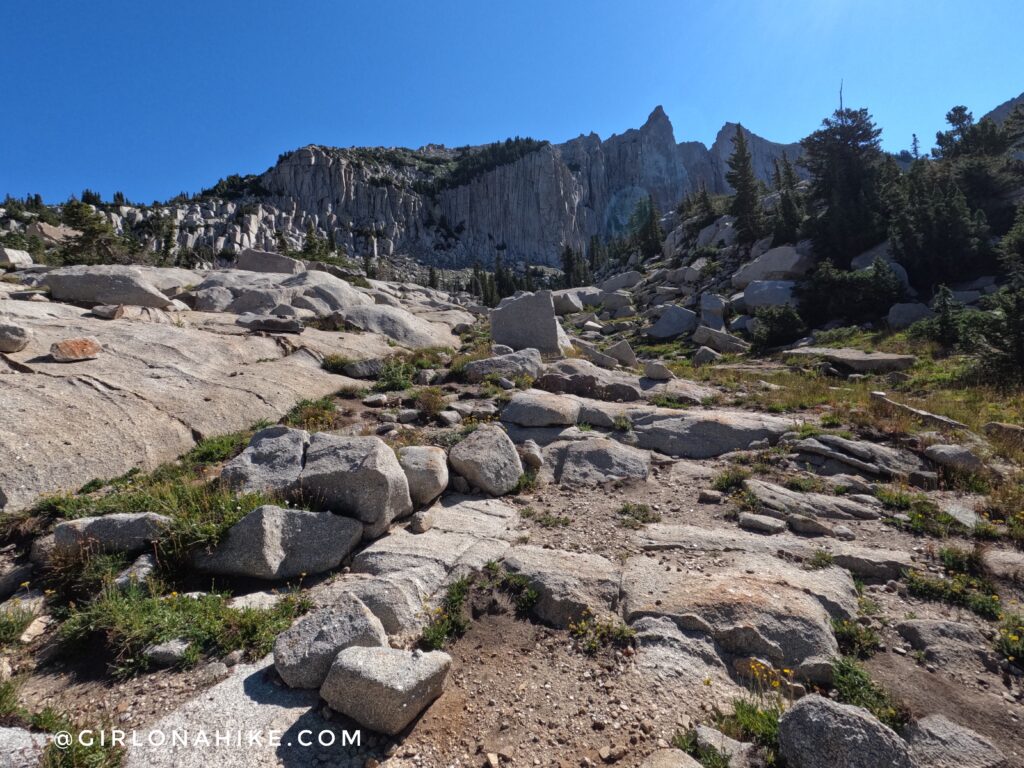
{"type": "Point", "coordinates": [445, 207]}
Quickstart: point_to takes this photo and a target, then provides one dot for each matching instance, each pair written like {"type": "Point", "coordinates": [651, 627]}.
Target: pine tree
{"type": "Point", "coordinates": [432, 281]}
{"type": "Point", "coordinates": [645, 228]}
{"type": "Point", "coordinates": [844, 159]}
{"type": "Point", "coordinates": [745, 204]}
{"type": "Point", "coordinates": [933, 232]}
{"type": "Point", "coordinates": [789, 212]}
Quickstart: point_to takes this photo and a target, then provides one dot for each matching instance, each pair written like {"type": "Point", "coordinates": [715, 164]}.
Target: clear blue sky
{"type": "Point", "coordinates": [154, 98]}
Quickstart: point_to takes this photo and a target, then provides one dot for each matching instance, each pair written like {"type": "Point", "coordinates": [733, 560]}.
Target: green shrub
{"type": "Point", "coordinates": [854, 686]}
{"type": "Point", "coordinates": [730, 480]}
{"type": "Point", "coordinates": [592, 634]}
{"type": "Point", "coordinates": [430, 401]}
{"type": "Point", "coordinates": [335, 363]}
{"type": "Point", "coordinates": [313, 415]}
{"type": "Point", "coordinates": [395, 375]}
{"type": "Point", "coordinates": [450, 620]}
{"type": "Point", "coordinates": [857, 296]}
{"type": "Point", "coordinates": [1010, 640]}
{"type": "Point", "coordinates": [855, 639]}
{"type": "Point", "coordinates": [776, 326]}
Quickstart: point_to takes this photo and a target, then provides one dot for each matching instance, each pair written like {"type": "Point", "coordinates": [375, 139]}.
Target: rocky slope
{"type": "Point", "coordinates": [555, 547]}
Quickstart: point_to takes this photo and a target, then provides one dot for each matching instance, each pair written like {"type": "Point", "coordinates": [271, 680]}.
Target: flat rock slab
{"type": "Point", "coordinates": [866, 562]}
{"type": "Point", "coordinates": [534, 408]}
{"type": "Point", "coordinates": [856, 360]}
{"type": "Point", "coordinates": [782, 502]}
{"type": "Point", "coordinates": [155, 390]}
{"type": "Point", "coordinates": [248, 700]}
{"type": "Point", "coordinates": [836, 455]}
{"type": "Point", "coordinates": [751, 604]}
{"type": "Point", "coordinates": [702, 434]}
{"type": "Point", "coordinates": [569, 583]}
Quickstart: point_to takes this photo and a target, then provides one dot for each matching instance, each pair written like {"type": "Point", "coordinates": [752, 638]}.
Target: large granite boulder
{"type": "Point", "coordinates": [600, 460]}
{"type": "Point", "coordinates": [252, 260]}
{"type": "Point", "coordinates": [397, 324]}
{"type": "Point", "coordinates": [357, 476]}
{"type": "Point", "coordinates": [529, 321]}
{"type": "Point", "coordinates": [819, 733]}
{"type": "Point", "coordinates": [384, 689]}
{"type": "Point", "coordinates": [304, 652]}
{"type": "Point", "coordinates": [784, 262]}
{"type": "Point", "coordinates": [14, 337]}
{"type": "Point", "coordinates": [104, 284]}
{"type": "Point", "coordinates": [525, 362]}
{"type": "Point", "coordinates": [487, 458]}
{"type": "Point", "coordinates": [674, 321]}
{"type": "Point", "coordinates": [276, 543]}
{"type": "Point", "coordinates": [719, 341]}
{"type": "Point", "coordinates": [426, 470]}
{"type": "Point", "coordinates": [272, 462]}
{"type": "Point", "coordinates": [12, 258]}
{"type": "Point", "coordinates": [937, 742]}
{"type": "Point", "coordinates": [768, 293]}
{"type": "Point", "coordinates": [118, 532]}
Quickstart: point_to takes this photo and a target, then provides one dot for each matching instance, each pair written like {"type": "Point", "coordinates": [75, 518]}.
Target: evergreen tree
{"type": "Point", "coordinates": [596, 255]}
{"type": "Point", "coordinates": [745, 204]}
{"type": "Point", "coordinates": [983, 159]}
{"type": "Point", "coordinates": [946, 308]}
{"type": "Point", "coordinates": [314, 247]}
{"type": "Point", "coordinates": [369, 267]}
{"type": "Point", "coordinates": [932, 231]}
{"type": "Point", "coordinates": [645, 229]}
{"type": "Point", "coordinates": [432, 281]}
{"type": "Point", "coordinates": [574, 268]}
{"type": "Point", "coordinates": [789, 213]}
{"type": "Point", "coordinates": [844, 159]}
{"type": "Point", "coordinates": [281, 242]}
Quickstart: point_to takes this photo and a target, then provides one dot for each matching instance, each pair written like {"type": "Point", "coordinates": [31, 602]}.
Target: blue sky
{"type": "Point", "coordinates": [157, 98]}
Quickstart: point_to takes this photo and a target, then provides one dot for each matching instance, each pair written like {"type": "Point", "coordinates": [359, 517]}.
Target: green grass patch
{"type": "Point", "coordinates": [855, 639]}
{"type": "Point", "coordinates": [636, 516]}
{"type": "Point", "coordinates": [730, 480]}
{"type": "Point", "coordinates": [515, 585]}
{"type": "Point", "coordinates": [126, 622]}
{"type": "Point", "coordinates": [669, 401]}
{"type": "Point", "coordinates": [854, 685]}
{"type": "Point", "coordinates": [544, 519]}
{"type": "Point", "coordinates": [755, 720]}
{"type": "Point", "coordinates": [450, 620]}
{"type": "Point", "coordinates": [819, 560]}
{"type": "Point", "coordinates": [14, 619]}
{"type": "Point", "coordinates": [923, 516]}
{"type": "Point", "coordinates": [707, 756]}
{"type": "Point", "coordinates": [972, 592]}
{"type": "Point", "coordinates": [313, 415]}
